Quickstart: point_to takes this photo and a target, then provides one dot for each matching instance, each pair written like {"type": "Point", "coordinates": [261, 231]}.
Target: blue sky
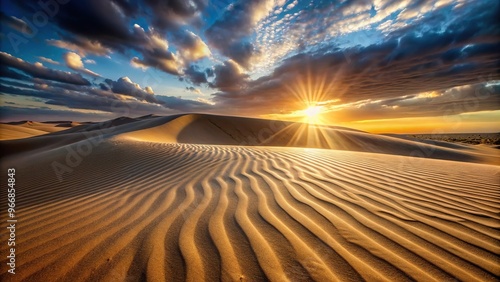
{"type": "Point", "coordinates": [357, 60]}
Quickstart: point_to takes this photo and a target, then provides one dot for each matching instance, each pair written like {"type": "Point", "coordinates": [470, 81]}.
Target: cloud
{"type": "Point", "coordinates": [353, 52]}
{"type": "Point", "coordinates": [74, 62]}
{"type": "Point", "coordinates": [88, 61]}
{"type": "Point", "coordinates": [195, 90]}
{"type": "Point", "coordinates": [322, 23]}
{"type": "Point", "coordinates": [209, 72]}
{"type": "Point", "coordinates": [138, 64]}
{"type": "Point", "coordinates": [191, 47]}
{"type": "Point", "coordinates": [184, 104]}
{"type": "Point", "coordinates": [448, 102]}
{"type": "Point", "coordinates": [230, 33]}
{"type": "Point", "coordinates": [109, 31]}
{"type": "Point", "coordinates": [9, 73]}
{"type": "Point", "coordinates": [195, 75]}
{"type": "Point", "coordinates": [39, 71]}
{"type": "Point", "coordinates": [94, 20]}
{"type": "Point", "coordinates": [409, 63]}
{"type": "Point", "coordinates": [125, 98]}
{"type": "Point", "coordinates": [48, 60]}
{"type": "Point", "coordinates": [154, 50]}
{"type": "Point", "coordinates": [81, 46]}
{"type": "Point", "coordinates": [40, 83]}
{"type": "Point", "coordinates": [175, 13]}
{"type": "Point", "coordinates": [166, 62]}
{"type": "Point", "coordinates": [149, 90]}
{"type": "Point", "coordinates": [16, 24]}
{"type": "Point", "coordinates": [228, 77]}
{"type": "Point", "coordinates": [10, 113]}
{"type": "Point", "coordinates": [125, 86]}
{"type": "Point", "coordinates": [15, 83]}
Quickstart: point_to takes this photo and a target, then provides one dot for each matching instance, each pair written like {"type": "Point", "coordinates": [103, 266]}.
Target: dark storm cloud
{"type": "Point", "coordinates": [108, 21]}
{"type": "Point", "coordinates": [228, 77]}
{"type": "Point", "coordinates": [14, 83]}
{"type": "Point", "coordinates": [241, 52]}
{"type": "Point", "coordinates": [100, 20]}
{"type": "Point", "coordinates": [39, 71]}
{"type": "Point", "coordinates": [73, 87]}
{"type": "Point", "coordinates": [104, 86]}
{"type": "Point", "coordinates": [209, 72]}
{"type": "Point", "coordinates": [26, 92]}
{"type": "Point", "coordinates": [401, 65]}
{"type": "Point", "coordinates": [7, 72]}
{"type": "Point", "coordinates": [172, 13]}
{"type": "Point", "coordinates": [195, 75]}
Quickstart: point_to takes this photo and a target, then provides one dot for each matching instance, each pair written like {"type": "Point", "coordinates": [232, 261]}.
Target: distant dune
{"type": "Point", "coordinates": [24, 129]}
{"type": "Point", "coordinates": [207, 198]}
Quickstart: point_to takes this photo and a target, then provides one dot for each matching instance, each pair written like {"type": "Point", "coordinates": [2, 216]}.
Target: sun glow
{"type": "Point", "coordinates": [312, 113]}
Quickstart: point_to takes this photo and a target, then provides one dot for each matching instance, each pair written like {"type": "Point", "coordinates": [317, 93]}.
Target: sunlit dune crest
{"type": "Point", "coordinates": [209, 198]}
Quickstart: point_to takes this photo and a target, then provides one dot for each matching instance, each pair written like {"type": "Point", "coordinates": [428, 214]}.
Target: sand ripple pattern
{"type": "Point", "coordinates": [135, 211]}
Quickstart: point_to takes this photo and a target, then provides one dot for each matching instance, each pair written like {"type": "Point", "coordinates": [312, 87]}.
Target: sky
{"type": "Point", "coordinates": [397, 66]}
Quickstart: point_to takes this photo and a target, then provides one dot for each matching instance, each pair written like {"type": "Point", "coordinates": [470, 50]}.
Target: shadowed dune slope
{"type": "Point", "coordinates": [211, 129]}
{"type": "Point", "coordinates": [132, 210]}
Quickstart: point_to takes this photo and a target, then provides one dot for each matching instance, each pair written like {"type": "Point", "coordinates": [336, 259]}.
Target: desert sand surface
{"type": "Point", "coordinates": [207, 198]}
{"type": "Point", "coordinates": [24, 129]}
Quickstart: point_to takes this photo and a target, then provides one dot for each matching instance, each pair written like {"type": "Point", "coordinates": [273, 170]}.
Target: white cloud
{"type": "Point", "coordinates": [74, 61]}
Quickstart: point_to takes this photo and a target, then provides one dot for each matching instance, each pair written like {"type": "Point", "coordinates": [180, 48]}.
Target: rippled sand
{"type": "Point", "coordinates": [141, 206]}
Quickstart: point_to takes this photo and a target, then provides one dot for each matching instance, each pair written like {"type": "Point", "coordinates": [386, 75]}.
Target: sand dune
{"type": "Point", "coordinates": [224, 130]}
{"type": "Point", "coordinates": [24, 129]}
{"type": "Point", "coordinates": [144, 202]}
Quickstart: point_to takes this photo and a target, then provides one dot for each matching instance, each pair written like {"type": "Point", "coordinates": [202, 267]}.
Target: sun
{"type": "Point", "coordinates": [313, 111]}
{"type": "Point", "coordinates": [312, 114]}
